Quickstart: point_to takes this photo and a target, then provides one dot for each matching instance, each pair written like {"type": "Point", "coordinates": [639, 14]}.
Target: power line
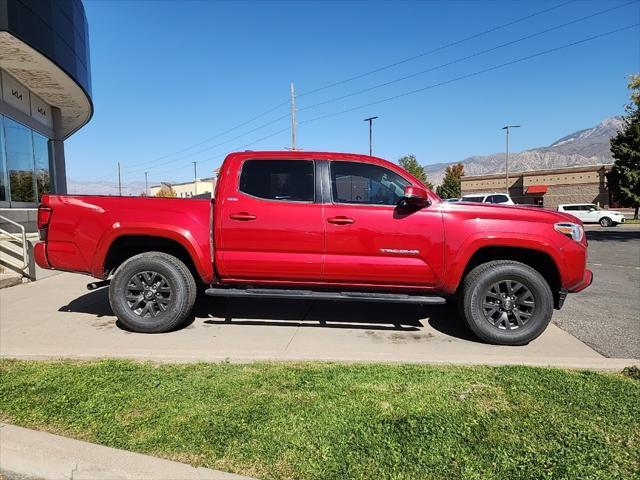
{"type": "Point", "coordinates": [428, 87]}
{"type": "Point", "coordinates": [437, 49]}
{"type": "Point", "coordinates": [362, 75]}
{"type": "Point", "coordinates": [221, 156]}
{"type": "Point", "coordinates": [474, 74]}
{"type": "Point", "coordinates": [139, 169]}
{"type": "Point", "coordinates": [147, 163]}
{"type": "Point", "coordinates": [467, 57]}
{"type": "Point", "coordinates": [443, 65]}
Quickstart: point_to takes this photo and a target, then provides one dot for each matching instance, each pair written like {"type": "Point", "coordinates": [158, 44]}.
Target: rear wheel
{"type": "Point", "coordinates": [152, 292]}
{"type": "Point", "coordinates": [605, 222]}
{"type": "Point", "coordinates": [505, 302]}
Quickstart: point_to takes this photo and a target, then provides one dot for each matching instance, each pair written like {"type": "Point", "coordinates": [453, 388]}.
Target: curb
{"type": "Point", "coordinates": [603, 364]}
{"type": "Point", "coordinates": [45, 456]}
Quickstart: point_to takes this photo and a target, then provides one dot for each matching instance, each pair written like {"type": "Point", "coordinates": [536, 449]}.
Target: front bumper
{"type": "Point", "coordinates": [586, 281]}
{"type": "Point", "coordinates": [562, 294]}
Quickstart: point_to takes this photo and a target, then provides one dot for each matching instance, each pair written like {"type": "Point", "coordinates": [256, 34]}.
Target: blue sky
{"type": "Point", "coordinates": [168, 75]}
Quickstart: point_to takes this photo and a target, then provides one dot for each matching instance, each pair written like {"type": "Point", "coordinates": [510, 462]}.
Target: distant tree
{"type": "Point", "coordinates": [166, 191]}
{"type": "Point", "coordinates": [450, 187]}
{"type": "Point", "coordinates": [624, 177]}
{"type": "Point", "coordinates": [411, 165]}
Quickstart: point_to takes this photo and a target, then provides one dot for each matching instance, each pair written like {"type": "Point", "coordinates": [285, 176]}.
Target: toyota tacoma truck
{"type": "Point", "coordinates": [314, 225]}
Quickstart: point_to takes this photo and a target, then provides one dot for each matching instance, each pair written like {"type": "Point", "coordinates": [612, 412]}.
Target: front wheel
{"type": "Point", "coordinates": [152, 292]}
{"type": "Point", "coordinates": [605, 222]}
{"type": "Point", "coordinates": [505, 302]}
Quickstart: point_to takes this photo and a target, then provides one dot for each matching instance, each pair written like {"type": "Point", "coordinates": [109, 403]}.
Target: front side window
{"type": "Point", "coordinates": [497, 199]}
{"type": "Point", "coordinates": [362, 183]}
{"type": "Point", "coordinates": [285, 180]}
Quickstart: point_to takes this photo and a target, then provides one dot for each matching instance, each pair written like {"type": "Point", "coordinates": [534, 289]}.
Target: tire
{"type": "Point", "coordinates": [152, 292]}
{"type": "Point", "coordinates": [605, 222]}
{"type": "Point", "coordinates": [513, 320]}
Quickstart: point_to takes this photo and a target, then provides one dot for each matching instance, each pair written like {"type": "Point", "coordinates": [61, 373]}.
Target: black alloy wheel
{"type": "Point", "coordinates": [508, 305]}
{"type": "Point", "coordinates": [148, 294]}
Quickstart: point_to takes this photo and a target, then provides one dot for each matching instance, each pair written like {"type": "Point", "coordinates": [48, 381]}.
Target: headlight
{"type": "Point", "coordinates": [571, 230]}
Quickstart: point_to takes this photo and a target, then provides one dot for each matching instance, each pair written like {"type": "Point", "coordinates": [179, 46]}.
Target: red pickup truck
{"type": "Point", "coordinates": [314, 225]}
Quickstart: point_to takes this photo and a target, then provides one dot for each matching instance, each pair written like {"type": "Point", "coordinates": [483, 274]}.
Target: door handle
{"type": "Point", "coordinates": [341, 220]}
{"type": "Point", "coordinates": [242, 216]}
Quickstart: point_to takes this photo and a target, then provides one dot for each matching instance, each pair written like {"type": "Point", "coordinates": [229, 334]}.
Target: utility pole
{"type": "Point", "coordinates": [370, 120]}
{"type": "Point", "coordinates": [119, 181]}
{"type": "Point", "coordinates": [506, 128]}
{"type": "Point", "coordinates": [293, 117]}
{"type": "Point", "coordinates": [146, 184]}
{"type": "Point", "coordinates": [195, 178]}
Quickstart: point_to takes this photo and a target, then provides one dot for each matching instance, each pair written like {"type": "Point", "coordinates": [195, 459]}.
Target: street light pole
{"type": "Point", "coordinates": [293, 117]}
{"type": "Point", "coordinates": [506, 128]}
{"type": "Point", "coordinates": [119, 181]}
{"type": "Point", "coordinates": [146, 184]}
{"type": "Point", "coordinates": [195, 178]}
{"type": "Point", "coordinates": [370, 120]}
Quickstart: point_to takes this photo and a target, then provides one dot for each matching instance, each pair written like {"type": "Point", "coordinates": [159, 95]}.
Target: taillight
{"type": "Point", "coordinates": [44, 215]}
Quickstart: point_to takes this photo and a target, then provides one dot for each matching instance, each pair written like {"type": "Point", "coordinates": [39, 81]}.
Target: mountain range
{"type": "Point", "coordinates": [585, 147]}
{"type": "Point", "coordinates": [89, 187]}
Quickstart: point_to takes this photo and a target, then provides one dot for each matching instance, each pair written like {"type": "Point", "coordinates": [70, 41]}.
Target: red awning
{"type": "Point", "coordinates": [532, 189]}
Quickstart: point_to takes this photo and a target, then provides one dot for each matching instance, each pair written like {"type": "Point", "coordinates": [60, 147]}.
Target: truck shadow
{"type": "Point", "coordinates": [300, 313]}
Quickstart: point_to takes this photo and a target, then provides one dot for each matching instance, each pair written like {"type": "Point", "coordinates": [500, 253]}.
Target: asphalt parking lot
{"type": "Point", "coordinates": [606, 316]}
{"type": "Point", "coordinates": [58, 317]}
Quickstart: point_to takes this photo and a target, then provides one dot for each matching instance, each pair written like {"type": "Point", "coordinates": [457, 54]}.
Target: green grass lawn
{"type": "Point", "coordinates": [333, 421]}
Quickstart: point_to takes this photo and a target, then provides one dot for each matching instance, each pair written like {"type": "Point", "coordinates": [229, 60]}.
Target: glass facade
{"type": "Point", "coordinates": [24, 163]}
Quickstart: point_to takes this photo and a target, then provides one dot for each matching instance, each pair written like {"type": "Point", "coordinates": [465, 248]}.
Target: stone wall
{"type": "Point", "coordinates": [565, 185]}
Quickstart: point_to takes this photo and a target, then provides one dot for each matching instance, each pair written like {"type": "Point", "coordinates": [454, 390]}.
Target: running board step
{"type": "Point", "coordinates": [320, 295]}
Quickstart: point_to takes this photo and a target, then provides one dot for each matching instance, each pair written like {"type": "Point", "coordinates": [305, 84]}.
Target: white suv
{"type": "Point", "coordinates": [590, 213]}
{"type": "Point", "coordinates": [501, 198]}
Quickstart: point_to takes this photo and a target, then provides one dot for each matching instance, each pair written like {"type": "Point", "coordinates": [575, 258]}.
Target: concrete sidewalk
{"type": "Point", "coordinates": [33, 454]}
{"type": "Point", "coordinates": [58, 317]}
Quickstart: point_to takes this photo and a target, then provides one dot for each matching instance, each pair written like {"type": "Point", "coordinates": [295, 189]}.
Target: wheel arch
{"type": "Point", "coordinates": [126, 246]}
{"type": "Point", "coordinates": [539, 260]}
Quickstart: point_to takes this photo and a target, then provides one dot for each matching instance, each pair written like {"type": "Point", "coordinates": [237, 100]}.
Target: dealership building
{"type": "Point", "coordinates": [547, 188]}
{"type": "Point", "coordinates": [45, 95]}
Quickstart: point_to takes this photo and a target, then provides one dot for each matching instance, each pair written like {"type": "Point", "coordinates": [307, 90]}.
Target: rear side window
{"type": "Point", "coordinates": [570, 208]}
{"type": "Point", "coordinates": [363, 183]}
{"type": "Point", "coordinates": [285, 180]}
{"type": "Point", "coordinates": [473, 199]}
{"type": "Point", "coordinates": [497, 199]}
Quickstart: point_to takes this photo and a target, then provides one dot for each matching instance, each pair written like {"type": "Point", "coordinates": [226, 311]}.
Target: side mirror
{"type": "Point", "coordinates": [415, 196]}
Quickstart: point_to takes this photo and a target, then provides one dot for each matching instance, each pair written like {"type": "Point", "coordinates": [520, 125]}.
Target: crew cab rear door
{"type": "Point", "coordinates": [371, 240]}
{"type": "Point", "coordinates": [268, 224]}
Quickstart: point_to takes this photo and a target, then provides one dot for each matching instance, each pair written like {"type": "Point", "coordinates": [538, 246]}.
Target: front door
{"type": "Point", "coordinates": [370, 240]}
{"type": "Point", "coordinates": [590, 214]}
{"type": "Point", "coordinates": [270, 226]}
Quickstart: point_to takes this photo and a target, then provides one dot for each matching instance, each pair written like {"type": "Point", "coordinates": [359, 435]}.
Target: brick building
{"type": "Point", "coordinates": [547, 188]}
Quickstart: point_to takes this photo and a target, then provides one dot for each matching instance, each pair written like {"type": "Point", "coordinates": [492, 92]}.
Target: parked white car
{"type": "Point", "coordinates": [590, 213]}
{"type": "Point", "coordinates": [495, 197]}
